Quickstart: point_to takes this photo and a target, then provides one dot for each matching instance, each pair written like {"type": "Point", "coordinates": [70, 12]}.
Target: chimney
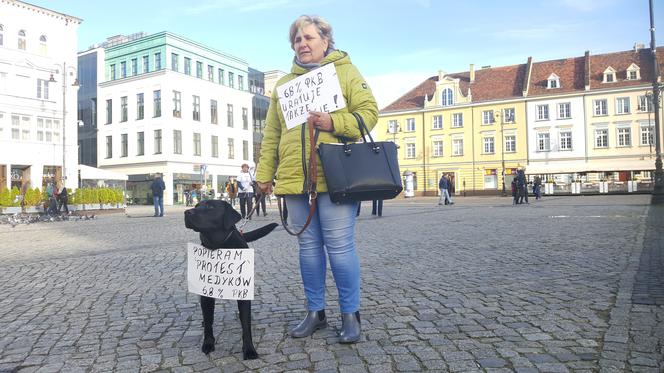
{"type": "Point", "coordinates": [472, 73]}
{"type": "Point", "coordinates": [638, 46]}
{"type": "Point", "coordinates": [526, 77]}
{"type": "Point", "coordinates": [586, 72]}
{"type": "Point", "coordinates": [441, 75]}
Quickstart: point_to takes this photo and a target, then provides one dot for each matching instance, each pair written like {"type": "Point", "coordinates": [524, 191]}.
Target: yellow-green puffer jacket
{"type": "Point", "coordinates": [281, 149]}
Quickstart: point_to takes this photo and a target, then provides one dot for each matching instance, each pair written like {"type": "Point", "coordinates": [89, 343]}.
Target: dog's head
{"type": "Point", "coordinates": [215, 221]}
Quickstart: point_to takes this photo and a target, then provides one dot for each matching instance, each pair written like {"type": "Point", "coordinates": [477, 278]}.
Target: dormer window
{"type": "Point", "coordinates": [447, 97]}
{"type": "Point", "coordinates": [609, 75]}
{"type": "Point", "coordinates": [553, 81]}
{"type": "Point", "coordinates": [633, 72]}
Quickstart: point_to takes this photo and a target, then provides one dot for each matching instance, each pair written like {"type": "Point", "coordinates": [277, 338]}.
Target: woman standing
{"type": "Point", "coordinates": [283, 155]}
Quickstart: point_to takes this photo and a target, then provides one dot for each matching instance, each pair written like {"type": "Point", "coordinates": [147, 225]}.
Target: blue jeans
{"type": "Point", "coordinates": [332, 230]}
{"type": "Point", "coordinates": [158, 206]}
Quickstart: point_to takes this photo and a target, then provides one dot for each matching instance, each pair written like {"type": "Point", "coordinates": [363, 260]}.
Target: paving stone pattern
{"type": "Point", "coordinates": [479, 286]}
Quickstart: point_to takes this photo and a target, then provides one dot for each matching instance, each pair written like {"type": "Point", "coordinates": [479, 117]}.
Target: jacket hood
{"type": "Point", "coordinates": [337, 58]}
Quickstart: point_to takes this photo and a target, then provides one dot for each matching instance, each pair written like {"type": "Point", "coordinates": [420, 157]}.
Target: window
{"type": "Point", "coordinates": [622, 105]}
{"type": "Point", "coordinates": [1, 35]}
{"type": "Point", "coordinates": [240, 82]}
{"type": "Point", "coordinates": [632, 75]}
{"type": "Point", "coordinates": [245, 119]}
{"type": "Point", "coordinates": [177, 142]}
{"type": "Point", "coordinates": [21, 40]}
{"type": "Point", "coordinates": [457, 120]}
{"type": "Point", "coordinates": [510, 143]}
{"type": "Point", "coordinates": [542, 112]}
{"type": "Point", "coordinates": [392, 126]}
{"type": "Point", "coordinates": [609, 75]}
{"type": "Point", "coordinates": [187, 65]}
{"type": "Point", "coordinates": [457, 147]}
{"type": "Point", "coordinates": [437, 148]}
{"type": "Point", "coordinates": [175, 66]}
{"type": "Point", "coordinates": [215, 146]}
{"type": "Point", "coordinates": [134, 66]}
{"type": "Point", "coordinates": [231, 79]}
{"type": "Point", "coordinates": [109, 147]}
{"type": "Point", "coordinates": [42, 89]}
{"type": "Point", "coordinates": [566, 140]}
{"type": "Point", "coordinates": [140, 143]}
{"type": "Point", "coordinates": [157, 61]}
{"type": "Point", "coordinates": [487, 117]}
{"type": "Point", "coordinates": [599, 107]}
{"type": "Point", "coordinates": [553, 81]}
{"type": "Point", "coordinates": [489, 147]}
{"type": "Point", "coordinates": [245, 149]}
{"type": "Point", "coordinates": [410, 125]}
{"type": "Point", "coordinates": [109, 111]}
{"type": "Point", "coordinates": [213, 111]}
{"type": "Point", "coordinates": [146, 64]}
{"type": "Point", "coordinates": [410, 150]}
{"type": "Point", "coordinates": [646, 135]}
{"type": "Point", "coordinates": [564, 110]}
{"type": "Point", "coordinates": [624, 136]}
{"type": "Point", "coordinates": [112, 71]}
{"type": "Point", "coordinates": [156, 103]}
{"type": "Point", "coordinates": [437, 122]}
{"type": "Point", "coordinates": [229, 114]}
{"type": "Point", "coordinates": [177, 108]}
{"type": "Point", "coordinates": [123, 145]}
{"type": "Point", "coordinates": [210, 72]}
{"type": "Point", "coordinates": [197, 107]}
{"type": "Point", "coordinates": [197, 144]}
{"type": "Point", "coordinates": [123, 109]}
{"type": "Point", "coordinates": [157, 141]}
{"type": "Point", "coordinates": [602, 138]}
{"type": "Point", "coordinates": [633, 72]}
{"type": "Point", "coordinates": [220, 76]}
{"type": "Point", "coordinates": [43, 46]}
{"type": "Point", "coordinates": [543, 142]}
{"type": "Point", "coordinates": [199, 69]}
{"type": "Point", "coordinates": [508, 115]}
{"type": "Point", "coordinates": [645, 103]}
{"type": "Point", "coordinates": [16, 123]}
{"type": "Point", "coordinates": [123, 69]}
{"type": "Point", "coordinates": [447, 97]}
{"type": "Point", "coordinates": [140, 106]}
{"type": "Point", "coordinates": [231, 149]}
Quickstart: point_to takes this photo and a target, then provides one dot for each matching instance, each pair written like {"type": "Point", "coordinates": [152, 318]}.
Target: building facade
{"type": "Point", "coordinates": [37, 97]}
{"type": "Point", "coordinates": [584, 124]}
{"type": "Point", "coordinates": [171, 106]}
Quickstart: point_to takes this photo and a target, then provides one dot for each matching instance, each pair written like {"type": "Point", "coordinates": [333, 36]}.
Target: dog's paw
{"type": "Point", "coordinates": [249, 353]}
{"type": "Point", "coordinates": [208, 345]}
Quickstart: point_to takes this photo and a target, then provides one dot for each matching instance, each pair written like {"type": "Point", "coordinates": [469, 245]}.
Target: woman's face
{"type": "Point", "coordinates": [308, 45]}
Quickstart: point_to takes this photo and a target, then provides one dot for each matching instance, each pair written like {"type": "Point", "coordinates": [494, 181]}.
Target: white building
{"type": "Point", "coordinates": [37, 119]}
{"type": "Point", "coordinates": [172, 106]}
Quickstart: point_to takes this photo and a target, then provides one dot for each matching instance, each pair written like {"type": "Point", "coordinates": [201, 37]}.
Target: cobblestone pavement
{"type": "Point", "coordinates": [479, 286]}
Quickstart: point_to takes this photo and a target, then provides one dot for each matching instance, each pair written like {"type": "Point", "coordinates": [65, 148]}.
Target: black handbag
{"type": "Point", "coordinates": [361, 171]}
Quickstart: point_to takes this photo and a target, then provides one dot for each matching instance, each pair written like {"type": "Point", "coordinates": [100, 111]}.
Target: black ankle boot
{"type": "Point", "coordinates": [350, 327]}
{"type": "Point", "coordinates": [313, 321]}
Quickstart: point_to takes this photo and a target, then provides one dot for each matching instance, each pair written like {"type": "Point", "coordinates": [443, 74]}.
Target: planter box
{"type": "Point", "coordinates": [11, 210]}
{"type": "Point", "coordinates": [34, 209]}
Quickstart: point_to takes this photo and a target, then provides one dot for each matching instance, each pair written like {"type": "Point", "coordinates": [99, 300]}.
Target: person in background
{"type": "Point", "coordinates": [157, 188]}
{"type": "Point", "coordinates": [64, 200]}
{"type": "Point", "coordinates": [331, 232]}
{"type": "Point", "coordinates": [231, 189]}
{"type": "Point", "coordinates": [444, 186]}
{"type": "Point", "coordinates": [377, 207]}
{"type": "Point", "coordinates": [260, 199]}
{"type": "Point", "coordinates": [245, 190]}
{"type": "Point", "coordinates": [537, 187]}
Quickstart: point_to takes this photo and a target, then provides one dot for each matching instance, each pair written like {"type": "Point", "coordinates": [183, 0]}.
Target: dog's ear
{"type": "Point", "coordinates": [231, 217]}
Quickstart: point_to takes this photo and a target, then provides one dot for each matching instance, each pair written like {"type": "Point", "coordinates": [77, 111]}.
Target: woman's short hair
{"type": "Point", "coordinates": [324, 28]}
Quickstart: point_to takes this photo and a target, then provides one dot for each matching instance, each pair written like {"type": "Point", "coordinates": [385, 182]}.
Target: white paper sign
{"type": "Point", "coordinates": [221, 273]}
{"type": "Point", "coordinates": [317, 90]}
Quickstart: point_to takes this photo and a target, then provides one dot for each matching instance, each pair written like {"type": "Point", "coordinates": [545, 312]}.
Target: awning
{"type": "Point", "coordinates": [92, 173]}
{"type": "Point", "coordinates": [568, 167]}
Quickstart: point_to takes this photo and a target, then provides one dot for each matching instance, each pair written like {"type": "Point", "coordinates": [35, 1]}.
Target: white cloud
{"type": "Point", "coordinates": [389, 87]}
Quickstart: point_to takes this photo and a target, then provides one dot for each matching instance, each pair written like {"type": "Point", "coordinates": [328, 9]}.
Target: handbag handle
{"type": "Point", "coordinates": [364, 132]}
{"type": "Point", "coordinates": [311, 185]}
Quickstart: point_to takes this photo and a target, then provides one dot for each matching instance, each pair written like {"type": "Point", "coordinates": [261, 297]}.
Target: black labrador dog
{"type": "Point", "coordinates": [215, 221]}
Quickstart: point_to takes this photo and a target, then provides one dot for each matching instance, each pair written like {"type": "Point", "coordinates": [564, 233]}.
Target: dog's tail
{"type": "Point", "coordinates": [259, 233]}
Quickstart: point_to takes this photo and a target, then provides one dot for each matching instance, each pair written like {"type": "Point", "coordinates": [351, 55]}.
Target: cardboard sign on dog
{"type": "Point", "coordinates": [220, 273]}
{"type": "Point", "coordinates": [317, 90]}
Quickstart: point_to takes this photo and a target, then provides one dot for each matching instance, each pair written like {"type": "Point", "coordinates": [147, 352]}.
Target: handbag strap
{"type": "Point", "coordinates": [311, 185]}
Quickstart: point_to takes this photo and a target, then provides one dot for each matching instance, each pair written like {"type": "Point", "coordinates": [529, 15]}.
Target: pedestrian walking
{"type": "Point", "coordinates": [444, 186]}
{"type": "Point", "coordinates": [377, 207]}
{"type": "Point", "coordinates": [537, 187]}
{"type": "Point", "coordinates": [331, 231]}
{"type": "Point", "coordinates": [63, 198]}
{"type": "Point", "coordinates": [157, 188]}
{"type": "Point", "coordinates": [245, 190]}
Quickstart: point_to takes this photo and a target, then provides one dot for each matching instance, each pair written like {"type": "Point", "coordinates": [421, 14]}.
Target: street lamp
{"type": "Point", "coordinates": [658, 190]}
{"type": "Point", "coordinates": [64, 114]}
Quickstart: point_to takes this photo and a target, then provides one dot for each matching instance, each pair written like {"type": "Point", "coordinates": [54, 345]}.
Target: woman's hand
{"type": "Point", "coordinates": [321, 120]}
{"type": "Point", "coordinates": [266, 188]}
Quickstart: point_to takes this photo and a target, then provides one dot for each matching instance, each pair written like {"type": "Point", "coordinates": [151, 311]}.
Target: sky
{"type": "Point", "coordinates": [396, 44]}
